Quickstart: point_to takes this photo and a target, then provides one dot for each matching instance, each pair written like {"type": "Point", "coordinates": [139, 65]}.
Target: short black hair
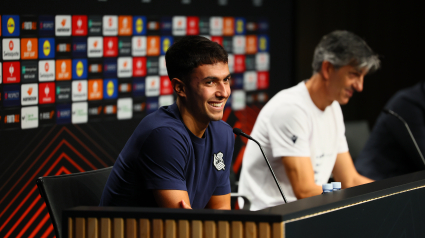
{"type": "Point", "coordinates": [190, 52]}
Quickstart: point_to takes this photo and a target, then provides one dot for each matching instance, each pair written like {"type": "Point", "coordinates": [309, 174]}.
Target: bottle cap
{"type": "Point", "coordinates": [336, 185]}
{"type": "Point", "coordinates": [327, 186]}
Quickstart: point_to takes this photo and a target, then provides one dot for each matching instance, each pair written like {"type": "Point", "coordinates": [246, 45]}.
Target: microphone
{"type": "Point", "coordinates": [239, 132]}
{"type": "Point", "coordinates": [388, 111]}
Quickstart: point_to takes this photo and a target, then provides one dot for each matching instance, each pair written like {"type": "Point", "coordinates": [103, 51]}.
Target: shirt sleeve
{"type": "Point", "coordinates": [163, 160]}
{"type": "Point", "coordinates": [289, 132]}
{"type": "Point", "coordinates": [223, 185]}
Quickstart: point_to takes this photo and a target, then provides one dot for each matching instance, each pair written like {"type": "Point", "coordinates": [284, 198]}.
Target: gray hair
{"type": "Point", "coordinates": [342, 48]}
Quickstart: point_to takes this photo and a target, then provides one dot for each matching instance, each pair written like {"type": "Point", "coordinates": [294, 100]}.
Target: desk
{"type": "Point", "coordinates": [393, 207]}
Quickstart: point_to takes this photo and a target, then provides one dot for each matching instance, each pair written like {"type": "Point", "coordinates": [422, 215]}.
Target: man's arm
{"type": "Point", "coordinates": [172, 198]}
{"type": "Point", "coordinates": [301, 175]}
{"type": "Point", "coordinates": [221, 202]}
{"type": "Point", "coordinates": [345, 172]}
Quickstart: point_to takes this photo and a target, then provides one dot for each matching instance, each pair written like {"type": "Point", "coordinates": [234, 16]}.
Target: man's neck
{"type": "Point", "coordinates": [194, 125]}
{"type": "Point", "coordinates": [317, 89]}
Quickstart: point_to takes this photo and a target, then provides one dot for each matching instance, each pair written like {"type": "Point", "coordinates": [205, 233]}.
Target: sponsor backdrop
{"type": "Point", "coordinates": [75, 83]}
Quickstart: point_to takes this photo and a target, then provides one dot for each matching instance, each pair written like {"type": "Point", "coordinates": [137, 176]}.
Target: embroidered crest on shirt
{"type": "Point", "coordinates": [294, 138]}
{"type": "Point", "coordinates": [218, 161]}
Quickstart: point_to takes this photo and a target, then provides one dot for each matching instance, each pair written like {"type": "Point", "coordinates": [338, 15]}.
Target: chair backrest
{"type": "Point", "coordinates": [357, 133]}
{"type": "Point", "coordinates": [71, 190]}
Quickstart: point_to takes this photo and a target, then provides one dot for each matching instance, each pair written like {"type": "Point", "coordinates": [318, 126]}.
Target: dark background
{"type": "Point", "coordinates": [393, 29]}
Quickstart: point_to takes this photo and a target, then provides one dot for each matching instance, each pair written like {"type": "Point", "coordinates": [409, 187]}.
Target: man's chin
{"type": "Point", "coordinates": [344, 101]}
{"type": "Point", "coordinates": [216, 117]}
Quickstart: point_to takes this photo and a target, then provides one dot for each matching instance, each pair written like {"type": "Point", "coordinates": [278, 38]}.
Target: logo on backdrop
{"type": "Point", "coordinates": [219, 162]}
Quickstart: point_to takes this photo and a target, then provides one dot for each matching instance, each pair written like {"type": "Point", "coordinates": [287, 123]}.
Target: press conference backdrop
{"type": "Point", "coordinates": [76, 77]}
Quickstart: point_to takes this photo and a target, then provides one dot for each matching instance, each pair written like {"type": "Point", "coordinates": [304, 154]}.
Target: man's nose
{"type": "Point", "coordinates": [358, 85]}
{"type": "Point", "coordinates": [223, 90]}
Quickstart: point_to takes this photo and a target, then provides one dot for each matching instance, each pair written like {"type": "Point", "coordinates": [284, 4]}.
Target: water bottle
{"type": "Point", "coordinates": [327, 188]}
{"type": "Point", "coordinates": [336, 186]}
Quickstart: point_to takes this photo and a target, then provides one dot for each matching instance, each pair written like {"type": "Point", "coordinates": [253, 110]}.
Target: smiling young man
{"type": "Point", "coordinates": [302, 130]}
{"type": "Point", "coordinates": [180, 155]}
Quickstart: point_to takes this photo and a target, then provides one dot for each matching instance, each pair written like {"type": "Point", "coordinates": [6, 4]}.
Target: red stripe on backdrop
{"type": "Point", "coordinates": [42, 207]}
{"type": "Point", "coordinates": [22, 176]}
{"type": "Point", "coordinates": [62, 170]}
{"type": "Point", "coordinates": [48, 232]}
{"type": "Point", "coordinates": [95, 144]}
{"type": "Point", "coordinates": [80, 155]}
{"type": "Point", "coordinates": [87, 148]}
{"type": "Point", "coordinates": [26, 198]}
{"type": "Point", "coordinates": [23, 215]}
{"type": "Point", "coordinates": [47, 173]}
{"type": "Point", "coordinates": [29, 155]}
{"type": "Point", "coordinates": [39, 226]}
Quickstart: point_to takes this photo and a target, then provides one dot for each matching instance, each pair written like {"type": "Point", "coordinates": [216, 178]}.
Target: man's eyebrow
{"type": "Point", "coordinates": [215, 78]}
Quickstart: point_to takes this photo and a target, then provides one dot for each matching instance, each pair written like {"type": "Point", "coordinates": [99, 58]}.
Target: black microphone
{"type": "Point", "coordinates": [239, 132]}
{"type": "Point", "coordinates": [388, 111]}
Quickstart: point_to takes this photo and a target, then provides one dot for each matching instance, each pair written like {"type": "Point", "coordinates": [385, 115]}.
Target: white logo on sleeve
{"type": "Point", "coordinates": [218, 161]}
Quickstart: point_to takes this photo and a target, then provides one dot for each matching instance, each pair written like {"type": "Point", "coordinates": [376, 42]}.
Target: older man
{"type": "Point", "coordinates": [302, 130]}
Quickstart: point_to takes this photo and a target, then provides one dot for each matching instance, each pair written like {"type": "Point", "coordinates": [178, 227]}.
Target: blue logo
{"type": "Point", "coordinates": [46, 48]}
{"type": "Point", "coordinates": [110, 88]}
{"type": "Point", "coordinates": [110, 68]}
{"type": "Point", "coordinates": [166, 25]}
{"type": "Point", "coordinates": [79, 68]}
{"type": "Point", "coordinates": [263, 43]}
{"type": "Point", "coordinates": [166, 42]}
{"type": "Point", "coordinates": [139, 87]}
{"type": "Point", "coordinates": [139, 25]}
{"type": "Point", "coordinates": [152, 104]}
{"type": "Point", "coordinates": [79, 47]}
{"type": "Point", "coordinates": [46, 25]}
{"type": "Point", "coordinates": [263, 26]}
{"type": "Point", "coordinates": [63, 114]}
{"type": "Point", "coordinates": [11, 95]}
{"type": "Point", "coordinates": [10, 25]}
{"type": "Point", "coordinates": [240, 24]}
{"type": "Point", "coordinates": [237, 81]}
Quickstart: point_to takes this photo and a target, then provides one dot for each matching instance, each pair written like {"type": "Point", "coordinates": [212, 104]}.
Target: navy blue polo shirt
{"type": "Point", "coordinates": [163, 154]}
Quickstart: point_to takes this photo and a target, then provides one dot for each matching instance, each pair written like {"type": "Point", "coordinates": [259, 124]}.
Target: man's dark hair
{"type": "Point", "coordinates": [190, 52]}
{"type": "Point", "coordinates": [342, 48]}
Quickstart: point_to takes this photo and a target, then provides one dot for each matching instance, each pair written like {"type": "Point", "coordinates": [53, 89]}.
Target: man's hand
{"type": "Point", "coordinates": [301, 175]}
{"type": "Point", "coordinates": [345, 172]}
{"type": "Point", "coordinates": [184, 205]}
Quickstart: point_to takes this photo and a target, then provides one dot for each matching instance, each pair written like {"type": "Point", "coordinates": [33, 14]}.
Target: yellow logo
{"type": "Point", "coordinates": [10, 25]}
{"type": "Point", "coordinates": [110, 88]}
{"type": "Point", "coordinates": [139, 25]}
{"type": "Point", "coordinates": [239, 26]}
{"type": "Point", "coordinates": [166, 44]}
{"type": "Point", "coordinates": [80, 68]}
{"type": "Point", "coordinates": [263, 43]}
{"type": "Point", "coordinates": [46, 48]}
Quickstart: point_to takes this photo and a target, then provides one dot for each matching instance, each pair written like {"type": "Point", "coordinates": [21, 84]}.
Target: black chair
{"type": "Point", "coordinates": [71, 190]}
{"type": "Point", "coordinates": [357, 133]}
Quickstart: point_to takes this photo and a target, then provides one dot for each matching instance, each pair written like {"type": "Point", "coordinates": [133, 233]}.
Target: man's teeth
{"type": "Point", "coordinates": [216, 104]}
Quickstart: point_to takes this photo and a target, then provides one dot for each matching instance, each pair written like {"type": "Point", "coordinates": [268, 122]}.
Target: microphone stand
{"type": "Point", "coordinates": [390, 112]}
{"type": "Point", "coordinates": [238, 131]}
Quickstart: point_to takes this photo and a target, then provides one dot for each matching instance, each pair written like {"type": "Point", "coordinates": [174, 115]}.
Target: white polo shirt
{"type": "Point", "coordinates": [290, 124]}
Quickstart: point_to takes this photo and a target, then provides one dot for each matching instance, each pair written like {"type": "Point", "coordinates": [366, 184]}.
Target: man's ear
{"type": "Point", "coordinates": [178, 87]}
{"type": "Point", "coordinates": [327, 69]}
